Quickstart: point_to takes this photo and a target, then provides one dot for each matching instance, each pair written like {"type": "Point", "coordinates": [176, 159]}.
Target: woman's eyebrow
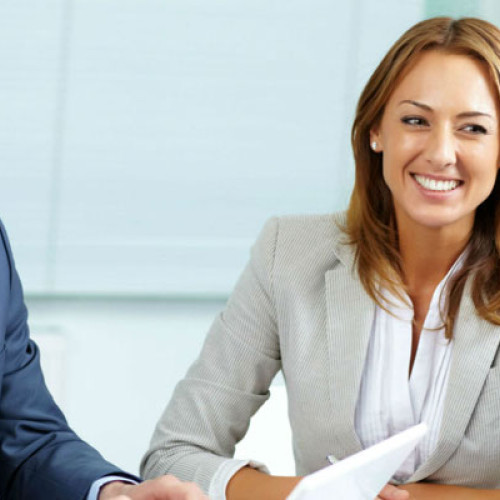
{"type": "Point", "coordinates": [416, 103]}
{"type": "Point", "coordinates": [465, 114]}
{"type": "Point", "coordinates": [471, 114]}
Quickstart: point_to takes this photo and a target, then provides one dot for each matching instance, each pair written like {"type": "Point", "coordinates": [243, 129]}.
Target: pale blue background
{"type": "Point", "coordinates": [142, 146]}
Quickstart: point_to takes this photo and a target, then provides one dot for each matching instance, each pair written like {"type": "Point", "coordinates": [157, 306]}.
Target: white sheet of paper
{"type": "Point", "coordinates": [362, 475]}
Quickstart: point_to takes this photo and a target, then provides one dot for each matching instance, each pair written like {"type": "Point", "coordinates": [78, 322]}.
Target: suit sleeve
{"type": "Point", "coordinates": [40, 456]}
{"type": "Point", "coordinates": [211, 407]}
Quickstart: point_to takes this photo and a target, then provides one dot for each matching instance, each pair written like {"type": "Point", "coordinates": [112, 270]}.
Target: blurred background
{"type": "Point", "coordinates": [143, 143]}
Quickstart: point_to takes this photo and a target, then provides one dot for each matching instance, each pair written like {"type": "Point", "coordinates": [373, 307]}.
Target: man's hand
{"type": "Point", "coordinates": [161, 488]}
{"type": "Point", "coordinates": [390, 492]}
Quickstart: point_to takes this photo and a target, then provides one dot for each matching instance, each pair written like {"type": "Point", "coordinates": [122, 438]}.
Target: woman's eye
{"type": "Point", "coordinates": [475, 129]}
{"type": "Point", "coordinates": [414, 120]}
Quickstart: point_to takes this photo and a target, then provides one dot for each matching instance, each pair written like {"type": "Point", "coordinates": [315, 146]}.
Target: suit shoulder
{"type": "Point", "coordinates": [312, 229]}
{"type": "Point", "coordinates": [5, 249]}
{"type": "Point", "coordinates": [308, 240]}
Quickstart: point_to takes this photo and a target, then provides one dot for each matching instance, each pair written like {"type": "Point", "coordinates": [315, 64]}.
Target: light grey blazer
{"type": "Point", "coordinates": [300, 307]}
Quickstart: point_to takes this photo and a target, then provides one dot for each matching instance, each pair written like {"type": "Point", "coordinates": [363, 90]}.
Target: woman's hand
{"type": "Point", "coordinates": [390, 492]}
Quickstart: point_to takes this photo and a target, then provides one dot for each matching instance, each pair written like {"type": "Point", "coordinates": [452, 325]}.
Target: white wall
{"type": "Point", "coordinates": [123, 358]}
{"type": "Point", "coordinates": [143, 144]}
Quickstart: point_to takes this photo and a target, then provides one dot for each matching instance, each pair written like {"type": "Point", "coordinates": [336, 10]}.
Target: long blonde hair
{"type": "Point", "coordinates": [370, 223]}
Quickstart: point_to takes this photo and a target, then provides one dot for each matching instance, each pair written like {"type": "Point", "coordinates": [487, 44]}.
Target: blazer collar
{"type": "Point", "coordinates": [475, 344]}
{"type": "Point", "coordinates": [349, 317]}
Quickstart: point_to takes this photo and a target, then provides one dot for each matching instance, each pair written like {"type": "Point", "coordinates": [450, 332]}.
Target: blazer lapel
{"type": "Point", "coordinates": [349, 317]}
{"type": "Point", "coordinates": [475, 345]}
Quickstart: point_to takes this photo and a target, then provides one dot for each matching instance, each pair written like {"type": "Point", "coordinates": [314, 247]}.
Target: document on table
{"type": "Point", "coordinates": [362, 475]}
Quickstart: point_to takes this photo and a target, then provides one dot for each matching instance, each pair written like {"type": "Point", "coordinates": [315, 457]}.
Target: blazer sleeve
{"type": "Point", "coordinates": [40, 456]}
{"type": "Point", "coordinates": [211, 407]}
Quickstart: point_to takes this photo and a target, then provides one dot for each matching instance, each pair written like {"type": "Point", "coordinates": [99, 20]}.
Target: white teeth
{"type": "Point", "coordinates": [434, 185]}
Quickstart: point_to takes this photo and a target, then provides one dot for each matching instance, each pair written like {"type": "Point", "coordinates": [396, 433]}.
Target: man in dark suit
{"type": "Point", "coordinates": [40, 456]}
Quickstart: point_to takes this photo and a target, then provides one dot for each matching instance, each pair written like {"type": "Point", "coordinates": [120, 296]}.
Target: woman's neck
{"type": "Point", "coordinates": [427, 254]}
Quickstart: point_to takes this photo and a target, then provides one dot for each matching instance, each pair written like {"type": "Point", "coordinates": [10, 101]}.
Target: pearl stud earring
{"type": "Point", "coordinates": [374, 145]}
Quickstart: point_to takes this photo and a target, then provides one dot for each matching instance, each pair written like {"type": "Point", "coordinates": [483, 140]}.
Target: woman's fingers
{"type": "Point", "coordinates": [391, 492]}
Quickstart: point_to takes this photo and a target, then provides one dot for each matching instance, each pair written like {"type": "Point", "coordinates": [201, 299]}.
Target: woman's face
{"type": "Point", "coordinates": [439, 137]}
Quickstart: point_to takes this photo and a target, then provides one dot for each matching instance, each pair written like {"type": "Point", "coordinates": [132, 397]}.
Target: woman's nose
{"type": "Point", "coordinates": [440, 149]}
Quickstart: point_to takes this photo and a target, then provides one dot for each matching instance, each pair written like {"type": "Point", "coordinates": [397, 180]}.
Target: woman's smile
{"type": "Point", "coordinates": [430, 183]}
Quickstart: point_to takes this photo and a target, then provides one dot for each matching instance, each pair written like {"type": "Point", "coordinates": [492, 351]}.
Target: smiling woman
{"type": "Point", "coordinates": [379, 318]}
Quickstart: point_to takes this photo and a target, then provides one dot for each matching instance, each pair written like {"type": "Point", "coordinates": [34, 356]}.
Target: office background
{"type": "Point", "coordinates": [142, 146]}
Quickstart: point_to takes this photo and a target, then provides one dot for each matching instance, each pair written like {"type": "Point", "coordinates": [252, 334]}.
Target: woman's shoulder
{"type": "Point", "coordinates": [322, 225]}
{"type": "Point", "coordinates": [309, 230]}
{"type": "Point", "coordinates": [309, 239]}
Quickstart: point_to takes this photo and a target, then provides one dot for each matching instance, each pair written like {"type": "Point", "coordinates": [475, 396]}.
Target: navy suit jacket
{"type": "Point", "coordinates": [40, 456]}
